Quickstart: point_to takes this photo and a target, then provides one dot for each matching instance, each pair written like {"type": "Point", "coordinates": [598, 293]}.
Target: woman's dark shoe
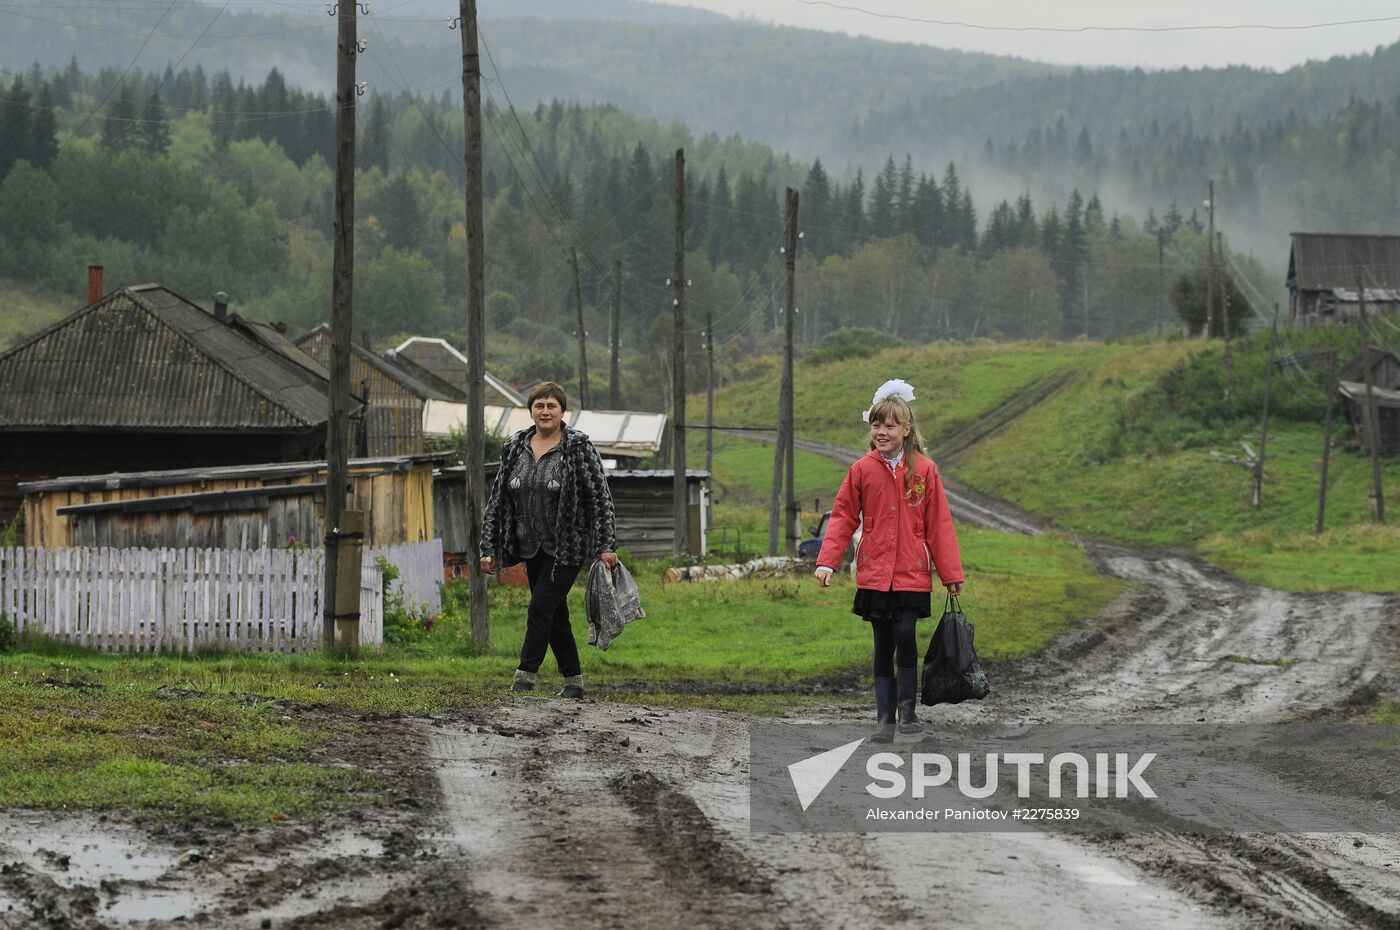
{"type": "Point", "coordinates": [524, 681]}
{"type": "Point", "coordinates": [884, 710]}
{"type": "Point", "coordinates": [908, 696]}
{"type": "Point", "coordinates": [573, 687]}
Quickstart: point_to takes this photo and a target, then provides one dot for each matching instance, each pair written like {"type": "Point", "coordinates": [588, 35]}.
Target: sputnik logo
{"type": "Point", "coordinates": [811, 776]}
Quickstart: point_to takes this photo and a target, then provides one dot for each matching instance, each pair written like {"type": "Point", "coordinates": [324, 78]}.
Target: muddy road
{"type": "Point", "coordinates": [542, 813]}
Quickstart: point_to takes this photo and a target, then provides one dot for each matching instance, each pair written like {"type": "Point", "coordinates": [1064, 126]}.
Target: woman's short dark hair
{"type": "Point", "coordinates": [548, 389]}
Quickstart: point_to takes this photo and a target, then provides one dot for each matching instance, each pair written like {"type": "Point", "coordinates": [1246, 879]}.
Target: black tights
{"type": "Point", "coordinates": [894, 640]}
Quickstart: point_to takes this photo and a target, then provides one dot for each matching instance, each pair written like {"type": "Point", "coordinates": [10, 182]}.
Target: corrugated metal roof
{"type": "Point", "coordinates": [271, 471]}
{"type": "Point", "coordinates": [146, 358]}
{"type": "Point", "coordinates": [444, 360]}
{"type": "Point", "coordinates": [317, 344]}
{"type": "Point", "coordinates": [1324, 261]}
{"type": "Point", "coordinates": [613, 432]}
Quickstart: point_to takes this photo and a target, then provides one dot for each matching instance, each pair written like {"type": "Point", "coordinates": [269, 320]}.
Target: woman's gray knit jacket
{"type": "Point", "coordinates": [584, 526]}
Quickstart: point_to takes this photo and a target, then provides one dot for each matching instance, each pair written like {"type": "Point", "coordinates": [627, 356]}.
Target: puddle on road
{"type": "Point", "coordinates": [149, 904]}
{"type": "Point", "coordinates": [91, 856]}
{"type": "Point", "coordinates": [1102, 875]}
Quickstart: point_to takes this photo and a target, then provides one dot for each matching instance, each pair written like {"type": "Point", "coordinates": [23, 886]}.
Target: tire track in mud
{"type": "Point", "coordinates": [1159, 654]}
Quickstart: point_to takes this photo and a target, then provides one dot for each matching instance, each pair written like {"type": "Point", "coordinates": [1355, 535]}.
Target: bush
{"type": "Point", "coordinates": [852, 342]}
{"type": "Point", "coordinates": [9, 636]}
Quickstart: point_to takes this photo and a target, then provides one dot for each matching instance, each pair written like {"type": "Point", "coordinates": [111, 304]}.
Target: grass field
{"type": "Point", "coordinates": [24, 312]}
{"type": "Point", "coordinates": [213, 734]}
{"type": "Point", "coordinates": [1123, 451]}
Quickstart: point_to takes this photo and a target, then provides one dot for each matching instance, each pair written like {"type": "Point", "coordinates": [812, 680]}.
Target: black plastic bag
{"type": "Point", "coordinates": [951, 671]}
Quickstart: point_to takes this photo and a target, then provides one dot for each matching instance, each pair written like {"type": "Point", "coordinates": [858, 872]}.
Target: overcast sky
{"type": "Point", "coordinates": [1259, 47]}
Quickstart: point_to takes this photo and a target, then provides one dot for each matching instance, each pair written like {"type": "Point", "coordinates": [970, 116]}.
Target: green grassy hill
{"type": "Point", "coordinates": [24, 312]}
{"type": "Point", "coordinates": [1115, 441]}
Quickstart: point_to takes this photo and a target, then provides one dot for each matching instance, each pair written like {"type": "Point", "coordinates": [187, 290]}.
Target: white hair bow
{"type": "Point", "coordinates": [895, 388]}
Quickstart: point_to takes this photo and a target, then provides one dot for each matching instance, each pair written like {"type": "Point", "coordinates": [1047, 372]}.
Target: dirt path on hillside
{"type": "Point", "coordinates": [542, 813]}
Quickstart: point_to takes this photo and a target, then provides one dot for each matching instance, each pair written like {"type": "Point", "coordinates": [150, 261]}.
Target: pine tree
{"type": "Point", "coordinates": [376, 144]}
{"type": "Point", "coordinates": [816, 209]}
{"type": "Point", "coordinates": [14, 126]}
{"type": "Point", "coordinates": [155, 133]}
{"type": "Point", "coordinates": [721, 218]}
{"type": "Point", "coordinates": [403, 218]}
{"type": "Point", "coordinates": [928, 212]}
{"type": "Point", "coordinates": [952, 200]}
{"type": "Point", "coordinates": [882, 201]}
{"type": "Point", "coordinates": [43, 131]}
{"type": "Point", "coordinates": [119, 126]}
{"type": "Point", "coordinates": [904, 199]}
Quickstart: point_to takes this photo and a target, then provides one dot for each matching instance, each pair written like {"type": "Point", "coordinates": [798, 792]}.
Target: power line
{"type": "Point", "coordinates": [1203, 27]}
{"type": "Point", "coordinates": [119, 81]}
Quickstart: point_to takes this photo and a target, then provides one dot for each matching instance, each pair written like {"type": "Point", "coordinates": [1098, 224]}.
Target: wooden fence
{"type": "Point", "coordinates": [148, 600]}
{"type": "Point", "coordinates": [420, 574]}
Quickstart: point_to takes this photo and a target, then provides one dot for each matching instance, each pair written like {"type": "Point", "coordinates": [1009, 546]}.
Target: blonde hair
{"type": "Point", "coordinates": [897, 410]}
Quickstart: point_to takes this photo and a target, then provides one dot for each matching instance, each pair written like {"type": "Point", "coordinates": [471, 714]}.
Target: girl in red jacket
{"type": "Point", "coordinates": [895, 495]}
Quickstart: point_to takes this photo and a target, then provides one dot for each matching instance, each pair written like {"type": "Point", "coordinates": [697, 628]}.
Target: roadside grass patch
{"type": "Point", "coordinates": [1361, 557]}
{"type": "Point", "coordinates": [1251, 660]}
{"type": "Point", "coordinates": [259, 737]}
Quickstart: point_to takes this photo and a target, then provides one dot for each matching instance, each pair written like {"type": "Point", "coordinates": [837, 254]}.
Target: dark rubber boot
{"type": "Point", "coordinates": [908, 697]}
{"type": "Point", "coordinates": [884, 710]}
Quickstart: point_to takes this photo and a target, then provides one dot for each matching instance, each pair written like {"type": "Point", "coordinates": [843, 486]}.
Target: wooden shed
{"type": "Point", "coordinates": [641, 502]}
{"type": "Point", "coordinates": [393, 423]}
{"type": "Point", "coordinates": [1324, 270]}
{"type": "Point", "coordinates": [239, 507]}
{"type": "Point", "coordinates": [1385, 392]}
{"type": "Point", "coordinates": [143, 379]}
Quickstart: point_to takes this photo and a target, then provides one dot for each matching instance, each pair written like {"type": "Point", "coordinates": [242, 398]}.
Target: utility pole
{"type": "Point", "coordinates": [781, 500]}
{"type": "Point", "coordinates": [709, 387]}
{"type": "Point", "coordinates": [1373, 432]}
{"type": "Point", "coordinates": [1268, 395]}
{"type": "Point", "coordinates": [1210, 258]}
{"type": "Point", "coordinates": [1225, 321]}
{"type": "Point", "coordinates": [614, 338]}
{"type": "Point", "coordinates": [475, 459]}
{"type": "Point", "coordinates": [582, 333]}
{"type": "Point", "coordinates": [1161, 280]}
{"type": "Point", "coordinates": [1326, 441]}
{"type": "Point", "coordinates": [342, 331]}
{"type": "Point", "coordinates": [679, 489]}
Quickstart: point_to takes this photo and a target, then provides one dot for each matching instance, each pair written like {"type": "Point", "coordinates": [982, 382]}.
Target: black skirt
{"type": "Point", "coordinates": [887, 605]}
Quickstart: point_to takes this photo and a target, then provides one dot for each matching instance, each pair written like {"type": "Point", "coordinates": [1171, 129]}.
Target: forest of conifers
{"type": "Point", "coordinates": [205, 184]}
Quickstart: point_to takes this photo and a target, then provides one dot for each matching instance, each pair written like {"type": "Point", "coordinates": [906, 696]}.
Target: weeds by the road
{"type": "Point", "coordinates": [257, 736]}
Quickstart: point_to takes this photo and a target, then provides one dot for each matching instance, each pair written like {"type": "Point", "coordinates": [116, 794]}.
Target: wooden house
{"type": "Point", "coordinates": [1385, 391]}
{"type": "Point", "coordinates": [442, 360]}
{"type": "Point", "coordinates": [393, 423]}
{"type": "Point", "coordinates": [142, 379]}
{"type": "Point", "coordinates": [645, 521]}
{"type": "Point", "coordinates": [1324, 270]}
{"type": "Point", "coordinates": [234, 507]}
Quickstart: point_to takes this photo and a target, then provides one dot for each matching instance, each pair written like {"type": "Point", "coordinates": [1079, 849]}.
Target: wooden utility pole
{"type": "Point", "coordinates": [709, 388]}
{"type": "Point", "coordinates": [349, 550]}
{"type": "Point", "coordinates": [679, 489]}
{"type": "Point", "coordinates": [782, 502]}
{"type": "Point", "coordinates": [342, 324]}
{"type": "Point", "coordinates": [582, 333]}
{"type": "Point", "coordinates": [1225, 321]}
{"type": "Point", "coordinates": [1373, 431]}
{"type": "Point", "coordinates": [789, 326]}
{"type": "Point", "coordinates": [475, 459]}
{"type": "Point", "coordinates": [1161, 280]}
{"type": "Point", "coordinates": [1210, 258]}
{"type": "Point", "coordinates": [1268, 396]}
{"type": "Point", "coordinates": [1326, 441]}
{"type": "Point", "coordinates": [614, 339]}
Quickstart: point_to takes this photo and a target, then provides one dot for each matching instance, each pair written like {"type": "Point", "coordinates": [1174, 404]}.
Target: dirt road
{"type": "Point", "coordinates": [541, 813]}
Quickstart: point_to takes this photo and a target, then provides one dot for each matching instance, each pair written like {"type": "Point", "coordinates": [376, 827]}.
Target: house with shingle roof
{"type": "Point", "coordinates": [1329, 272]}
{"type": "Point", "coordinates": [144, 379]}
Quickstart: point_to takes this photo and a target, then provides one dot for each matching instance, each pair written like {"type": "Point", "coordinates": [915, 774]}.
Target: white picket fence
{"type": "Point", "coordinates": [420, 574]}
{"type": "Point", "coordinates": [149, 600]}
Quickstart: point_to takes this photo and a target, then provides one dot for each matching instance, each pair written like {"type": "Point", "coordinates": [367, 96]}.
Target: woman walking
{"type": "Point", "coordinates": [896, 496]}
{"type": "Point", "coordinates": [550, 508]}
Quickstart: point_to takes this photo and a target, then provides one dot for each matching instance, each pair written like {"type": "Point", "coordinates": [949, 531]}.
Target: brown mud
{"type": "Point", "coordinates": [538, 812]}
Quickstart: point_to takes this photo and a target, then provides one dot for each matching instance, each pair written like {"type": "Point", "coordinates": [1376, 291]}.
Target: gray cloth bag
{"type": "Point", "coordinates": [611, 601]}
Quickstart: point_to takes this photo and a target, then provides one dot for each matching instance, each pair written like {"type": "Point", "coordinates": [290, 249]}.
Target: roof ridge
{"type": "Point", "coordinates": [220, 363]}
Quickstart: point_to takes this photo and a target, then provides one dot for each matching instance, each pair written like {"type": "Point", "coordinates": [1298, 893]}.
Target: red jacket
{"type": "Point", "coordinates": [900, 536]}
